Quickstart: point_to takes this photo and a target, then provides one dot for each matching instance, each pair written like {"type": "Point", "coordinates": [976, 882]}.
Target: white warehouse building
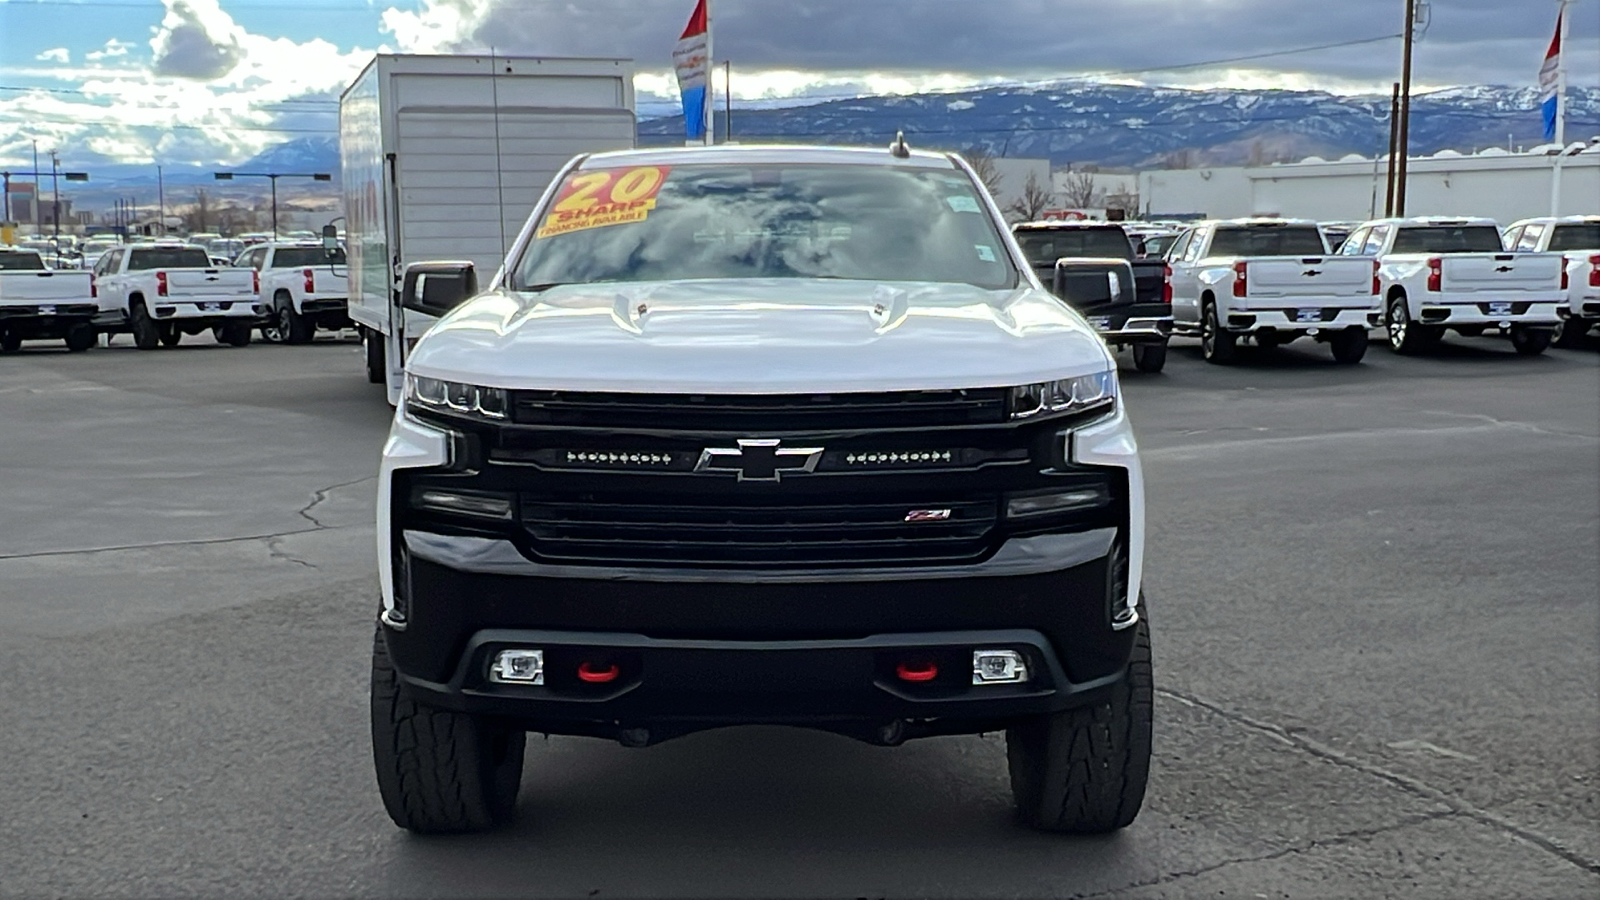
{"type": "Point", "coordinates": [1495, 183]}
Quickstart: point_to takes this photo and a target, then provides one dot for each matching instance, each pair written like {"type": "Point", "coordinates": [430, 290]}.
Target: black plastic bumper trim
{"type": "Point", "coordinates": [1018, 556]}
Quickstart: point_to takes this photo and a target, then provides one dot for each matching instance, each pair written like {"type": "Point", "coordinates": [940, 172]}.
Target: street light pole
{"type": "Point", "coordinates": [1402, 168]}
{"type": "Point", "coordinates": [161, 201]}
{"type": "Point", "coordinates": [273, 177]}
{"type": "Point", "coordinates": [55, 207]}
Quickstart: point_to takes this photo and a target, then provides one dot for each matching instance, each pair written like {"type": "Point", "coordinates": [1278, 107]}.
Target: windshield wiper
{"type": "Point", "coordinates": [541, 288]}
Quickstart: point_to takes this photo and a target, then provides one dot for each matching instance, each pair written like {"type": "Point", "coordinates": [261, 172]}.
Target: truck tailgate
{"type": "Point", "coordinates": [1280, 276]}
{"type": "Point", "coordinates": [209, 283]}
{"type": "Point", "coordinates": [49, 286]}
{"type": "Point", "coordinates": [1468, 272]}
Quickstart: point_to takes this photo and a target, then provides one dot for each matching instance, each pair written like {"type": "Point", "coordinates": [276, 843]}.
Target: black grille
{"type": "Point", "coordinates": [761, 413]}
{"type": "Point", "coordinates": [720, 532]}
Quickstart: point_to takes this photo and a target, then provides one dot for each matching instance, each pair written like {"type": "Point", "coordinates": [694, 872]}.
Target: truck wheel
{"type": "Point", "coordinates": [292, 327]}
{"type": "Point", "coordinates": [1216, 344]}
{"type": "Point", "coordinates": [81, 338]}
{"type": "Point", "coordinates": [1150, 358]}
{"type": "Point", "coordinates": [1530, 341]}
{"type": "Point", "coordinates": [1349, 346]}
{"type": "Point", "coordinates": [372, 346]}
{"type": "Point", "coordinates": [440, 772]}
{"type": "Point", "coordinates": [1569, 332]}
{"type": "Point", "coordinates": [145, 334]}
{"type": "Point", "coordinates": [10, 343]}
{"type": "Point", "coordinates": [170, 335]}
{"type": "Point", "coordinates": [1405, 336]}
{"type": "Point", "coordinates": [235, 333]}
{"type": "Point", "coordinates": [1084, 770]}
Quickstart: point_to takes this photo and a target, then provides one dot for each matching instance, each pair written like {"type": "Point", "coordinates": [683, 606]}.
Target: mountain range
{"type": "Point", "coordinates": [1069, 123]}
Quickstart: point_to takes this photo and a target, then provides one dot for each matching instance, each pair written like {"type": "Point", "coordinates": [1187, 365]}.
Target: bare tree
{"type": "Point", "coordinates": [1179, 159]}
{"type": "Point", "coordinates": [982, 162]}
{"type": "Point", "coordinates": [1080, 190]}
{"type": "Point", "coordinates": [1032, 203]}
{"type": "Point", "coordinates": [196, 217]}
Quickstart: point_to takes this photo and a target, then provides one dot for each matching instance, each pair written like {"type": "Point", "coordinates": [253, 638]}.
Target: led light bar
{"type": "Point", "coordinates": [899, 457]}
{"type": "Point", "coordinates": [617, 458]}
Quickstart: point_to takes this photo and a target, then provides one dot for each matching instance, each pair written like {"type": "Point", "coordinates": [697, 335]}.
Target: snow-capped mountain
{"type": "Point", "coordinates": [1127, 126]}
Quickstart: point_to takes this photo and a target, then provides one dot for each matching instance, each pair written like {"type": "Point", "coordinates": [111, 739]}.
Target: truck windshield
{"type": "Point", "coordinates": [666, 223]}
{"type": "Point", "coordinates": [302, 257]}
{"type": "Point", "coordinates": [169, 258]}
{"type": "Point", "coordinates": [1448, 239]}
{"type": "Point", "coordinates": [1576, 237]}
{"type": "Point", "coordinates": [1269, 240]}
{"type": "Point", "coordinates": [15, 261]}
{"type": "Point", "coordinates": [1043, 247]}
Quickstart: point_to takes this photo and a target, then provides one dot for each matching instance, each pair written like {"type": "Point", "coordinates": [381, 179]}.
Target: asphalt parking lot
{"type": "Point", "coordinates": [1373, 594]}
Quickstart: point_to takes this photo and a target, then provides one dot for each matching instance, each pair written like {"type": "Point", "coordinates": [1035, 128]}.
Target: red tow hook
{"type": "Point", "coordinates": [917, 671]}
{"type": "Point", "coordinates": [587, 672]}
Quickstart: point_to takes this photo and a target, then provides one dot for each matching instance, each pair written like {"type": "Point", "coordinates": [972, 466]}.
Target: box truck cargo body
{"type": "Point", "coordinates": [444, 157]}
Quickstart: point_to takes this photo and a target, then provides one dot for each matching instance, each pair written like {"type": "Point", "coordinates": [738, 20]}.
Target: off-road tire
{"type": "Point", "coordinates": [146, 336]}
{"type": "Point", "coordinates": [1151, 358]}
{"type": "Point", "coordinates": [1217, 344]}
{"type": "Point", "coordinates": [440, 772]}
{"type": "Point", "coordinates": [292, 327]}
{"type": "Point", "coordinates": [1530, 341]}
{"type": "Point", "coordinates": [1569, 333]}
{"type": "Point", "coordinates": [1349, 346]}
{"type": "Point", "coordinates": [10, 343]}
{"type": "Point", "coordinates": [372, 347]}
{"type": "Point", "coordinates": [81, 337]}
{"type": "Point", "coordinates": [1084, 770]}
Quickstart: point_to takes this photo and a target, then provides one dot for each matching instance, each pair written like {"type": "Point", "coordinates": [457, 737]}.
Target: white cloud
{"type": "Point", "coordinates": [196, 40]}
{"type": "Point", "coordinates": [436, 27]}
{"type": "Point", "coordinates": [57, 54]}
{"type": "Point", "coordinates": [112, 49]}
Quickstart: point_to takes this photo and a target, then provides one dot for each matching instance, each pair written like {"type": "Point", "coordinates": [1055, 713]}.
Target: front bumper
{"type": "Point", "coordinates": [1302, 319]}
{"type": "Point", "coordinates": [711, 647]}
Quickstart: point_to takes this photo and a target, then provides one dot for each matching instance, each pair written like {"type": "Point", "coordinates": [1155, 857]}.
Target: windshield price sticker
{"type": "Point", "coordinates": [604, 197]}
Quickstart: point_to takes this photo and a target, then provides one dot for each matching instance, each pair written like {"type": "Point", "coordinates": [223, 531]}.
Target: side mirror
{"type": "Point", "coordinates": [435, 288]}
{"type": "Point", "coordinates": [330, 239]}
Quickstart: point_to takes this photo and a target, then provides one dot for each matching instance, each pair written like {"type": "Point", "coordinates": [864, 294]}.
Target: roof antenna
{"type": "Point", "coordinates": [900, 149]}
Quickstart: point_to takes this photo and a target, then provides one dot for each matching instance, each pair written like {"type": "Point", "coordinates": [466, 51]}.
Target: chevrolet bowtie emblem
{"type": "Point", "coordinates": [759, 460]}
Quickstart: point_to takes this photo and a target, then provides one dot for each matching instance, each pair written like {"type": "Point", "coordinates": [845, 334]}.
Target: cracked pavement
{"type": "Point", "coordinates": [1373, 596]}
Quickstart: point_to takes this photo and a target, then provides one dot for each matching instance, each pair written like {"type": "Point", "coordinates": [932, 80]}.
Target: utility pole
{"type": "Point", "coordinates": [1404, 150]}
{"type": "Point", "coordinates": [727, 97]}
{"type": "Point", "coordinates": [55, 209]}
{"type": "Point", "coordinates": [161, 201]}
{"type": "Point", "coordinates": [1394, 141]}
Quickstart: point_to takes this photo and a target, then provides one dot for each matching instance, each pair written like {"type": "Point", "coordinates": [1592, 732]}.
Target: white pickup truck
{"type": "Point", "coordinates": [1436, 273]}
{"type": "Point", "coordinates": [303, 286]}
{"type": "Point", "coordinates": [1271, 280]}
{"type": "Point", "coordinates": [1578, 239]}
{"type": "Point", "coordinates": [38, 303]}
{"type": "Point", "coordinates": [160, 292]}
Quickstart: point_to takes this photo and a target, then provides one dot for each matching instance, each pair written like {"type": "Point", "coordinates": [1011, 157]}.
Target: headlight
{"type": "Point", "coordinates": [452, 397]}
{"type": "Point", "coordinates": [1069, 395]}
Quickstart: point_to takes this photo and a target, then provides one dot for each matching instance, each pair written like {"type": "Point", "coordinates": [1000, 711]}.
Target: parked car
{"type": "Point", "coordinates": [1437, 273]}
{"type": "Point", "coordinates": [1092, 266]}
{"type": "Point", "coordinates": [303, 286]}
{"type": "Point", "coordinates": [759, 434]}
{"type": "Point", "coordinates": [1271, 281]}
{"type": "Point", "coordinates": [1578, 239]}
{"type": "Point", "coordinates": [160, 292]}
{"type": "Point", "coordinates": [38, 303]}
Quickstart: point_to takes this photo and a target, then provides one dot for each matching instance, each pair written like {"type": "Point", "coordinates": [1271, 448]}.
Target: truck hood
{"type": "Point", "coordinates": [760, 336]}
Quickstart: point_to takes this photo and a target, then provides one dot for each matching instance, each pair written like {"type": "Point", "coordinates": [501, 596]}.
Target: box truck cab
{"type": "Point", "coordinates": [445, 156]}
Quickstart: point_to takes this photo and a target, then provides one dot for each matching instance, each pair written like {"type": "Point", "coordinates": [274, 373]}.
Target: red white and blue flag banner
{"type": "Point", "coordinates": [692, 59]}
{"type": "Point", "coordinates": [1550, 82]}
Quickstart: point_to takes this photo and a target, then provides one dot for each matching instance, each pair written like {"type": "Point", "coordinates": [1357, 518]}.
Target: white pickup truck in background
{"type": "Point", "coordinates": [162, 291]}
{"type": "Point", "coordinates": [1271, 280]}
{"type": "Point", "coordinates": [1437, 273]}
{"type": "Point", "coordinates": [39, 303]}
{"type": "Point", "coordinates": [303, 286]}
{"type": "Point", "coordinates": [1578, 239]}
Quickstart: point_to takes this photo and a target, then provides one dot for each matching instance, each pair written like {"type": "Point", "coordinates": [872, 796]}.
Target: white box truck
{"type": "Point", "coordinates": [443, 158]}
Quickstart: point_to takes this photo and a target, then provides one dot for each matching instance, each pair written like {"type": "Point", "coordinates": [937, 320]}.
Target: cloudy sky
{"type": "Point", "coordinates": [218, 80]}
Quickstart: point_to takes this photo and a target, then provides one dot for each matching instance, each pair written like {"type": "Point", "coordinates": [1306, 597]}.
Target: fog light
{"type": "Point", "coordinates": [486, 506]}
{"type": "Point", "coordinates": [1021, 505]}
{"type": "Point", "coordinates": [998, 667]}
{"type": "Point", "coordinates": [518, 667]}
